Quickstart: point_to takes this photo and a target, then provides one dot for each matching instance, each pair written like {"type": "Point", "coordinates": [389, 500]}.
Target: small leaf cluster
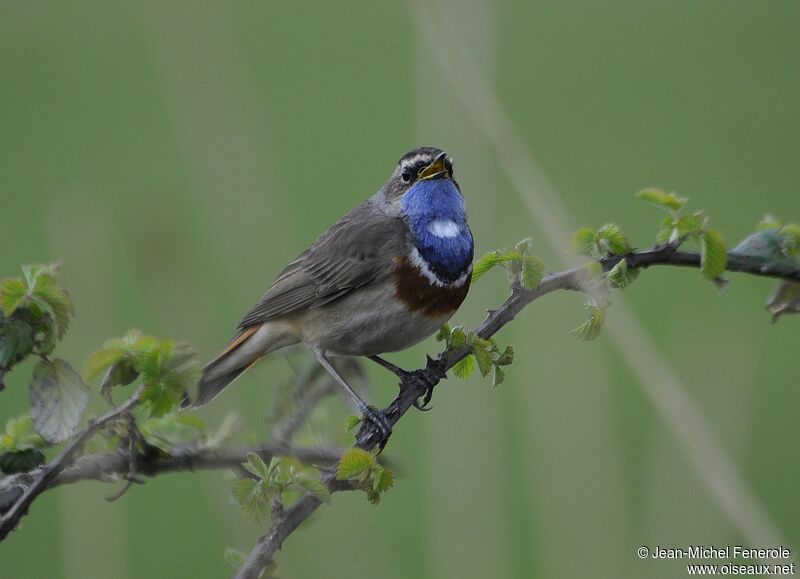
{"type": "Point", "coordinates": [678, 227]}
{"type": "Point", "coordinates": [260, 494]}
{"type": "Point", "coordinates": [34, 315]}
{"type": "Point", "coordinates": [621, 276]}
{"type": "Point", "coordinates": [20, 446]}
{"type": "Point", "coordinates": [590, 329]}
{"type": "Point", "coordinates": [523, 269]}
{"type": "Point", "coordinates": [166, 368]}
{"type": "Point", "coordinates": [485, 354]}
{"type": "Point", "coordinates": [363, 469]}
{"type": "Point", "coordinates": [181, 429]}
{"type": "Point", "coordinates": [608, 240]}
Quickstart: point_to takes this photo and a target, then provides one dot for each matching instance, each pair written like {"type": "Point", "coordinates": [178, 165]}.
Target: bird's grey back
{"type": "Point", "coordinates": [356, 251]}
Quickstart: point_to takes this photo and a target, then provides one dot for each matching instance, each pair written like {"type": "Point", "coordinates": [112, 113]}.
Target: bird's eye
{"type": "Point", "coordinates": [405, 176]}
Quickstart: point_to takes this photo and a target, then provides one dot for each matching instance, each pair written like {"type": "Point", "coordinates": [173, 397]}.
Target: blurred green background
{"type": "Point", "coordinates": [176, 155]}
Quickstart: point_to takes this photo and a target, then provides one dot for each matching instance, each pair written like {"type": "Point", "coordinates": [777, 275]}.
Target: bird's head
{"type": "Point", "coordinates": [422, 183]}
{"type": "Point", "coordinates": [416, 166]}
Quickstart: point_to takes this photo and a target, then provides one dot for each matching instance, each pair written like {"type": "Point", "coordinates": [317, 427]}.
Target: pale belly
{"type": "Point", "coordinates": [367, 322]}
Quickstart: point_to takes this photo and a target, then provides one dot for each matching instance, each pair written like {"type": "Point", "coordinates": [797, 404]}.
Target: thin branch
{"type": "Point", "coordinates": [412, 388]}
{"type": "Point", "coordinates": [665, 255]}
{"type": "Point", "coordinates": [659, 382]}
{"type": "Point", "coordinates": [417, 383]}
{"type": "Point", "coordinates": [111, 466]}
{"type": "Point", "coordinates": [108, 467]}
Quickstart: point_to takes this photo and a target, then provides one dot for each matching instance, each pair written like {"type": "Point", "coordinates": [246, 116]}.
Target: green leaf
{"type": "Point", "coordinates": [13, 294]}
{"type": "Point", "coordinates": [498, 377]}
{"type": "Point", "coordinates": [483, 265]}
{"type": "Point", "coordinates": [483, 355]}
{"type": "Point", "coordinates": [351, 422]}
{"type": "Point", "coordinates": [253, 498]}
{"type": "Point", "coordinates": [119, 374]}
{"type": "Point", "coordinates": [620, 276]}
{"type": "Point", "coordinates": [662, 199]}
{"type": "Point", "coordinates": [690, 225]}
{"type": "Point", "coordinates": [312, 485]}
{"type": "Point", "coordinates": [55, 300]}
{"type": "Point", "coordinates": [443, 335]}
{"type": "Point", "coordinates": [785, 300]}
{"type": "Point", "coordinates": [464, 368]}
{"type": "Point", "coordinates": [58, 398]}
{"type": "Point", "coordinates": [506, 358]}
{"type": "Point", "coordinates": [492, 259]}
{"type": "Point", "coordinates": [583, 240]}
{"type": "Point", "coordinates": [590, 329]}
{"type": "Point", "coordinates": [458, 338]}
{"type": "Point", "coordinates": [256, 466]}
{"type": "Point", "coordinates": [713, 258]}
{"type": "Point", "coordinates": [16, 342]}
{"type": "Point", "coordinates": [384, 480]}
{"type": "Point", "coordinates": [168, 369]}
{"type": "Point", "coordinates": [158, 399]}
{"type": "Point", "coordinates": [100, 361]}
{"type": "Point", "coordinates": [532, 272]}
{"type": "Point", "coordinates": [612, 239]}
{"type": "Point", "coordinates": [355, 463]}
{"type": "Point", "coordinates": [790, 235]}
{"type": "Point", "coordinates": [20, 435]}
{"type": "Point", "coordinates": [234, 558]}
{"type": "Point", "coordinates": [20, 461]}
{"type": "Point", "coordinates": [667, 232]}
{"type": "Point", "coordinates": [32, 272]}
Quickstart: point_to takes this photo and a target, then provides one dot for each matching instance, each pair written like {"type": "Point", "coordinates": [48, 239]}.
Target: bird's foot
{"type": "Point", "coordinates": [421, 380]}
{"type": "Point", "coordinates": [424, 380]}
{"type": "Point", "coordinates": [378, 419]}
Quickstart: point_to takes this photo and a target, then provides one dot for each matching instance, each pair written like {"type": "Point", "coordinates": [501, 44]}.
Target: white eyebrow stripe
{"type": "Point", "coordinates": [444, 228]}
{"type": "Point", "coordinates": [414, 160]}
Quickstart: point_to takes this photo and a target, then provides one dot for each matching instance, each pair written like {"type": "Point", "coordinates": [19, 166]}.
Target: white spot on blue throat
{"type": "Point", "coordinates": [444, 228]}
{"type": "Point", "coordinates": [437, 220]}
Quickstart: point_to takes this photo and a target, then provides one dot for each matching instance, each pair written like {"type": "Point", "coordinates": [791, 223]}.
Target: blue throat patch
{"type": "Point", "coordinates": [435, 200]}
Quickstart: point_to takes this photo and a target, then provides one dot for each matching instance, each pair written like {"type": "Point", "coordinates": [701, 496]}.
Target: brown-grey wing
{"type": "Point", "coordinates": [358, 250]}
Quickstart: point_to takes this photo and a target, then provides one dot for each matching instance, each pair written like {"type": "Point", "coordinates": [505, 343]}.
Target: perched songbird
{"type": "Point", "coordinates": [387, 275]}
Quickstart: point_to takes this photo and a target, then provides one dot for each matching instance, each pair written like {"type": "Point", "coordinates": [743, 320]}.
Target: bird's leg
{"type": "Point", "coordinates": [420, 377]}
{"type": "Point", "coordinates": [396, 370]}
{"type": "Point", "coordinates": [369, 413]}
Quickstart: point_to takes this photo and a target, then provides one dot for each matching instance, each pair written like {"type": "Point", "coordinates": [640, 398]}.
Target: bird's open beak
{"type": "Point", "coordinates": [435, 169]}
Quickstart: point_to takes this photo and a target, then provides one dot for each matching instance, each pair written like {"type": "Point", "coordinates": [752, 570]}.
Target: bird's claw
{"type": "Point", "coordinates": [419, 380]}
{"type": "Point", "coordinates": [378, 419]}
{"type": "Point", "coordinates": [425, 398]}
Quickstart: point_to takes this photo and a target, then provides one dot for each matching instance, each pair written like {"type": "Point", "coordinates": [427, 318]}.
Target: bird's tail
{"type": "Point", "coordinates": [244, 350]}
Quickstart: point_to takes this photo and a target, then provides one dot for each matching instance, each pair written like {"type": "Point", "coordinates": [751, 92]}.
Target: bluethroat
{"type": "Point", "coordinates": [387, 275]}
